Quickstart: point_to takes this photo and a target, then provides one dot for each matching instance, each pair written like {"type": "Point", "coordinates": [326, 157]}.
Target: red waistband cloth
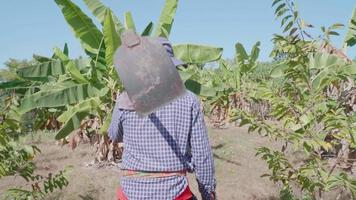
{"type": "Point", "coordinates": [186, 195]}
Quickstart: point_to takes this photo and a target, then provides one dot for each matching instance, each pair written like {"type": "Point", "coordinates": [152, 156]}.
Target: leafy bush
{"type": "Point", "coordinates": [16, 160]}
{"type": "Point", "coordinates": [313, 109]}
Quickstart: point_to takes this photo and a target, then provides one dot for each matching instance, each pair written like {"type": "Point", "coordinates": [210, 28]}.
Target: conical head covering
{"type": "Point", "coordinates": [147, 72]}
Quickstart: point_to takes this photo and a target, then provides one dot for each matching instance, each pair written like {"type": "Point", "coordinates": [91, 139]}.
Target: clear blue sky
{"type": "Point", "coordinates": [37, 26]}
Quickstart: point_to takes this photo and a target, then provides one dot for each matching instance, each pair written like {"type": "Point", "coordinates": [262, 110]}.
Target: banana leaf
{"type": "Point", "coordinates": [111, 38]}
{"type": "Point", "coordinates": [324, 60]}
{"type": "Point", "coordinates": [75, 73]}
{"type": "Point", "coordinates": [50, 68]}
{"type": "Point", "coordinates": [104, 128]}
{"type": "Point", "coordinates": [197, 54]}
{"type": "Point", "coordinates": [199, 89]}
{"type": "Point", "coordinates": [15, 84]}
{"type": "Point", "coordinates": [60, 95]}
{"type": "Point", "coordinates": [129, 22]}
{"type": "Point", "coordinates": [350, 38]}
{"type": "Point", "coordinates": [72, 117]}
{"type": "Point", "coordinates": [83, 27]}
{"type": "Point", "coordinates": [148, 30]}
{"type": "Point", "coordinates": [98, 9]}
{"type": "Point", "coordinates": [166, 19]}
{"type": "Point", "coordinates": [71, 125]}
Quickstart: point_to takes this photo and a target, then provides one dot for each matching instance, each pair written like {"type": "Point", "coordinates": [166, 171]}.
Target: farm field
{"type": "Point", "coordinates": [280, 106]}
{"type": "Point", "coordinates": [238, 170]}
{"type": "Point", "coordinates": [234, 151]}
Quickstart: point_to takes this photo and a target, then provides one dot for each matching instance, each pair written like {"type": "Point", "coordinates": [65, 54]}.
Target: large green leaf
{"type": "Point", "coordinates": [185, 75]}
{"type": "Point", "coordinates": [82, 25]}
{"type": "Point", "coordinates": [350, 38]}
{"type": "Point", "coordinates": [323, 60]}
{"type": "Point", "coordinates": [278, 70]}
{"type": "Point", "coordinates": [15, 84]}
{"type": "Point", "coordinates": [199, 89]}
{"type": "Point", "coordinates": [86, 105]}
{"type": "Point", "coordinates": [74, 115]}
{"type": "Point", "coordinates": [50, 68]}
{"type": "Point", "coordinates": [104, 128]}
{"type": "Point", "coordinates": [129, 22]}
{"type": "Point", "coordinates": [350, 69]}
{"type": "Point", "coordinates": [111, 38]}
{"type": "Point", "coordinates": [241, 54]}
{"type": "Point", "coordinates": [71, 125]}
{"type": "Point", "coordinates": [75, 73]}
{"type": "Point", "coordinates": [166, 19]}
{"type": "Point", "coordinates": [328, 68]}
{"type": "Point", "coordinates": [41, 58]}
{"type": "Point", "coordinates": [322, 79]}
{"type": "Point", "coordinates": [98, 9]}
{"type": "Point", "coordinates": [255, 52]}
{"type": "Point", "coordinates": [246, 62]}
{"type": "Point", "coordinates": [148, 30]}
{"type": "Point", "coordinates": [59, 95]}
{"type": "Point", "coordinates": [197, 54]}
{"type": "Point", "coordinates": [58, 53]}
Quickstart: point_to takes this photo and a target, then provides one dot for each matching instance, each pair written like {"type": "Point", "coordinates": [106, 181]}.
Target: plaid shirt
{"type": "Point", "coordinates": [174, 138]}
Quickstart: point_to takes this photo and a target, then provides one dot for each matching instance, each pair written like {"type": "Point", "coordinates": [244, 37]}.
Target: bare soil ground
{"type": "Point", "coordinates": [238, 171]}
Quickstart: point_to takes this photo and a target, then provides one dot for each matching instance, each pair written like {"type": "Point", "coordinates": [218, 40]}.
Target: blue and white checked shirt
{"type": "Point", "coordinates": [174, 138]}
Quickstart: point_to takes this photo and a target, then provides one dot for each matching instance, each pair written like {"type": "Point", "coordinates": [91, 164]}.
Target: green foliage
{"type": "Point", "coordinates": [16, 160]}
{"type": "Point", "coordinates": [73, 116]}
{"type": "Point", "coordinates": [45, 69]}
{"type": "Point", "coordinates": [63, 94]}
{"type": "Point", "coordinates": [350, 38]}
{"type": "Point", "coordinates": [84, 89]}
{"type": "Point", "coordinates": [331, 31]}
{"type": "Point", "coordinates": [41, 187]}
{"type": "Point", "coordinates": [197, 54]}
{"type": "Point", "coordinates": [83, 27]}
{"type": "Point", "coordinates": [309, 117]}
{"type": "Point", "coordinates": [8, 73]}
{"type": "Point", "coordinates": [295, 88]}
{"type": "Point", "coordinates": [98, 9]}
{"type": "Point", "coordinates": [226, 81]}
{"type": "Point", "coordinates": [166, 19]}
{"type": "Point", "coordinates": [129, 22]}
{"type": "Point", "coordinates": [111, 38]}
{"type": "Point", "coordinates": [148, 30]}
{"type": "Point", "coordinates": [246, 62]}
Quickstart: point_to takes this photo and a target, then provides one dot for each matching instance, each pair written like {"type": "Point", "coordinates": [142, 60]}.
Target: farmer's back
{"type": "Point", "coordinates": [172, 139]}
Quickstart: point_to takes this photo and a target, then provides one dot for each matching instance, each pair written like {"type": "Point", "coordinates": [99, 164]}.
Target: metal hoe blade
{"type": "Point", "coordinates": [147, 72]}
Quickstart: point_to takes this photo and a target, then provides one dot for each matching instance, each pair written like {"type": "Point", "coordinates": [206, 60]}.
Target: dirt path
{"type": "Point", "coordinates": [238, 171]}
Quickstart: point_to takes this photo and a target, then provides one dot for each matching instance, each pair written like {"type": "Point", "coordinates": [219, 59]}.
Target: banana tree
{"type": "Point", "coordinates": [229, 81]}
{"type": "Point", "coordinates": [82, 91]}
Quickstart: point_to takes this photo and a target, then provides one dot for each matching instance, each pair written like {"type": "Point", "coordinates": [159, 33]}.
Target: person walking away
{"type": "Point", "coordinates": [161, 148]}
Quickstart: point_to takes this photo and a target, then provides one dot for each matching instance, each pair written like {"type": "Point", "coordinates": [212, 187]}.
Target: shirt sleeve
{"type": "Point", "coordinates": [202, 155]}
{"type": "Point", "coordinates": [115, 130]}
